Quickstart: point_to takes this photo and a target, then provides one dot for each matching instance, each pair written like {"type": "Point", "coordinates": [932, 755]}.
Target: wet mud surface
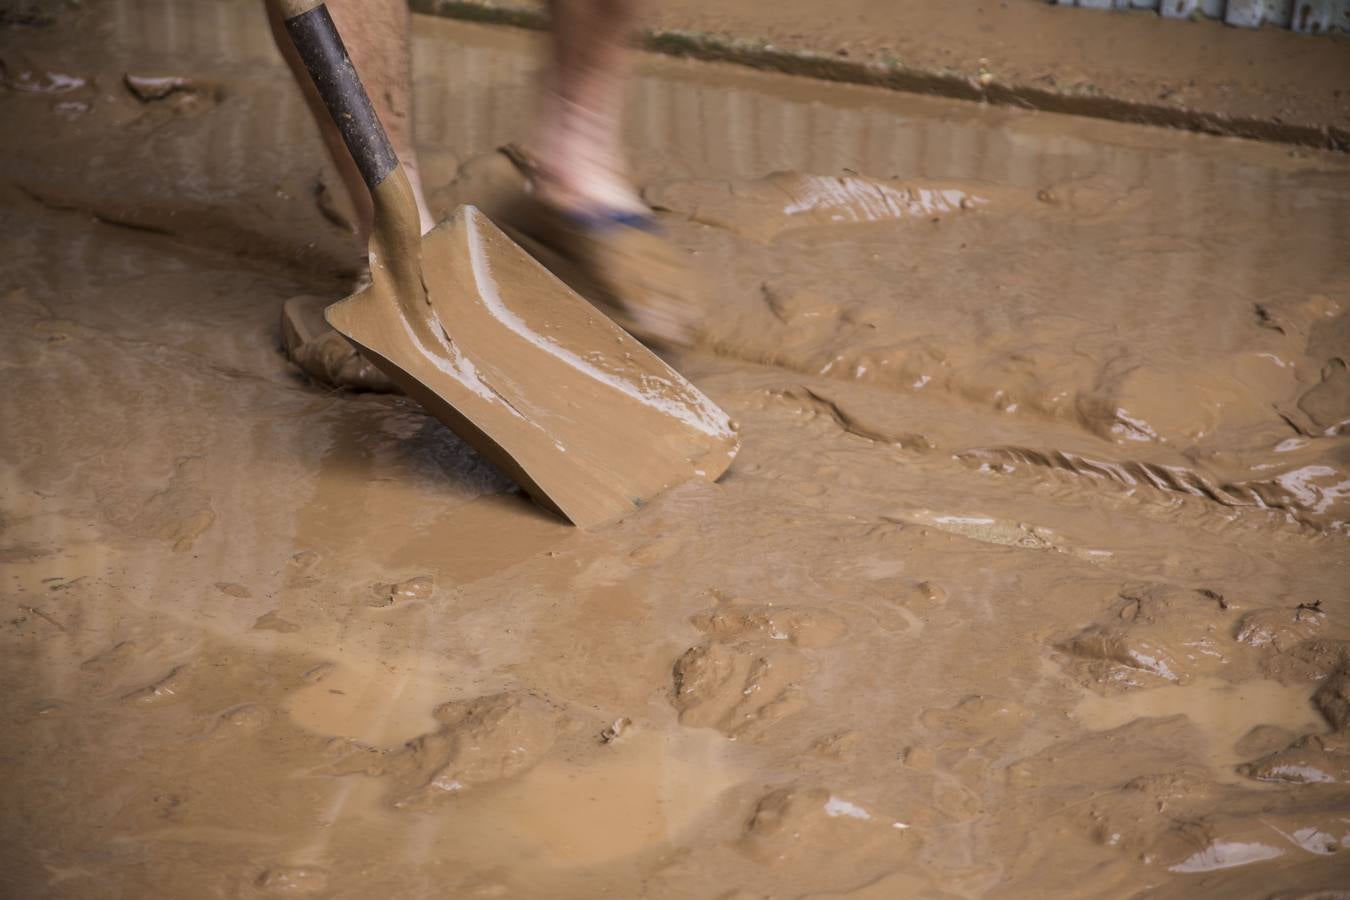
{"type": "Point", "coordinates": [1030, 578]}
{"type": "Point", "coordinates": [1128, 64]}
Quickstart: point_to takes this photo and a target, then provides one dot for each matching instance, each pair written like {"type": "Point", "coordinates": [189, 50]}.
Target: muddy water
{"type": "Point", "coordinates": [1030, 578]}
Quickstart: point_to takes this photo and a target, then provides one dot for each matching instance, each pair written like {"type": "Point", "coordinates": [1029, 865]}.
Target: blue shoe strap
{"type": "Point", "coordinates": [607, 220]}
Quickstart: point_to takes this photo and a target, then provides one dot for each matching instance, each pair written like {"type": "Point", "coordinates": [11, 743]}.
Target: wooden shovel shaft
{"type": "Point", "coordinates": [316, 39]}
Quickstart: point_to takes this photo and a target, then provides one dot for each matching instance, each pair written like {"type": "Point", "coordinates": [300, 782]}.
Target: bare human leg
{"type": "Point", "coordinates": [376, 33]}
{"type": "Point", "coordinates": [576, 142]}
{"type": "Point", "coordinates": [600, 236]}
{"type": "Point", "coordinates": [593, 229]}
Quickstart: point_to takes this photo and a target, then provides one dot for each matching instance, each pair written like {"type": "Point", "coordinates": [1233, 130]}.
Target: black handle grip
{"type": "Point", "coordinates": [320, 47]}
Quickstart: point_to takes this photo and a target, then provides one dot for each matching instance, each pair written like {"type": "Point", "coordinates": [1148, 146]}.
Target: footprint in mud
{"type": "Point", "coordinates": [272, 621]}
{"type": "Point", "coordinates": [166, 689]}
{"type": "Point", "coordinates": [1209, 843]}
{"type": "Point", "coordinates": [920, 596]}
{"type": "Point", "coordinates": [480, 741]}
{"type": "Point", "coordinates": [1094, 199]}
{"type": "Point", "coordinates": [800, 626]}
{"type": "Point", "coordinates": [903, 605]}
{"type": "Point", "coordinates": [1153, 634]}
{"type": "Point", "coordinates": [318, 673]}
{"type": "Point", "coordinates": [745, 677]}
{"type": "Point", "coordinates": [739, 687]}
{"type": "Point", "coordinates": [116, 659]}
{"type": "Point", "coordinates": [420, 587]}
{"type": "Point", "coordinates": [246, 718]}
{"type": "Point", "coordinates": [977, 719]}
{"type": "Point", "coordinates": [838, 746]}
{"type": "Point", "coordinates": [149, 667]}
{"type": "Point", "coordinates": [292, 881]}
{"type": "Point", "coordinates": [1137, 404]}
{"type": "Point", "coordinates": [797, 825]}
{"type": "Point", "coordinates": [301, 569]}
{"type": "Point", "coordinates": [1174, 816]}
{"type": "Point", "coordinates": [232, 589]}
{"type": "Point", "coordinates": [178, 511]}
{"type": "Point", "coordinates": [657, 551]}
{"type": "Point", "coordinates": [1120, 786]}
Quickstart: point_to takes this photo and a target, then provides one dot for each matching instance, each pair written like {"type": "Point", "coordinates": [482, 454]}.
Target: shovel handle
{"type": "Point", "coordinates": [316, 39]}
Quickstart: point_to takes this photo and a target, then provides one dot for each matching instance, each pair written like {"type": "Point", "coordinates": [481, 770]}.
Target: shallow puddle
{"type": "Point", "coordinates": [1223, 711]}
{"type": "Point", "coordinates": [644, 792]}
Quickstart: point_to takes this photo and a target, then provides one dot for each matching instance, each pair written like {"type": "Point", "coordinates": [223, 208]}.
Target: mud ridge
{"type": "Point", "coordinates": [1131, 474]}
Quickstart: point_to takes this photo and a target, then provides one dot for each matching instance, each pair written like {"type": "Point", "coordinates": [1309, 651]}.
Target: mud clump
{"type": "Point", "coordinates": [420, 587]}
{"type": "Point", "coordinates": [322, 353]}
{"type": "Point", "coordinates": [1315, 659]}
{"type": "Point", "coordinates": [747, 675]}
{"type": "Point", "coordinates": [1153, 634]}
{"type": "Point", "coordinates": [1135, 816]}
{"type": "Point", "coordinates": [1327, 404]}
{"type": "Point", "coordinates": [1281, 629]}
{"type": "Point", "coordinates": [738, 687]}
{"type": "Point", "coordinates": [151, 88]}
{"type": "Point", "coordinates": [920, 596]}
{"type": "Point", "coordinates": [1264, 739]}
{"type": "Point", "coordinates": [1333, 701]}
{"type": "Point", "coordinates": [1312, 759]}
{"type": "Point", "coordinates": [479, 742]}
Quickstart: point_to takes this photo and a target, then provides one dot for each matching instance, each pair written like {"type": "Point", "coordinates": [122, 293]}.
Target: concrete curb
{"type": "Point", "coordinates": [763, 55]}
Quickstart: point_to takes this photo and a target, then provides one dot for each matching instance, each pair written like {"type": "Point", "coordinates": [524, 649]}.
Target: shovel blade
{"type": "Point", "coordinates": [584, 417]}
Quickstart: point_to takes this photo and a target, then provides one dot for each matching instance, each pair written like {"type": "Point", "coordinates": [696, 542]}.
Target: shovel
{"type": "Point", "coordinates": [586, 419]}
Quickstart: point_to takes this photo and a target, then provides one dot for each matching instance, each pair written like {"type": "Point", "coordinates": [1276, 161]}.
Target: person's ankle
{"type": "Point", "coordinates": [582, 191]}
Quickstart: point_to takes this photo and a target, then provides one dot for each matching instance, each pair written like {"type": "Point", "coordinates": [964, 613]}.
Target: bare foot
{"type": "Point", "coordinates": [594, 232]}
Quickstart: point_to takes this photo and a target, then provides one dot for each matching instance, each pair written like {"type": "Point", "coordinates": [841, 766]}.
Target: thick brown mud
{"type": "Point", "coordinates": [1030, 578]}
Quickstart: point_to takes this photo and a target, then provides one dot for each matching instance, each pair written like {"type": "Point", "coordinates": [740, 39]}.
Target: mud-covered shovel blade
{"type": "Point", "coordinates": [580, 414]}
